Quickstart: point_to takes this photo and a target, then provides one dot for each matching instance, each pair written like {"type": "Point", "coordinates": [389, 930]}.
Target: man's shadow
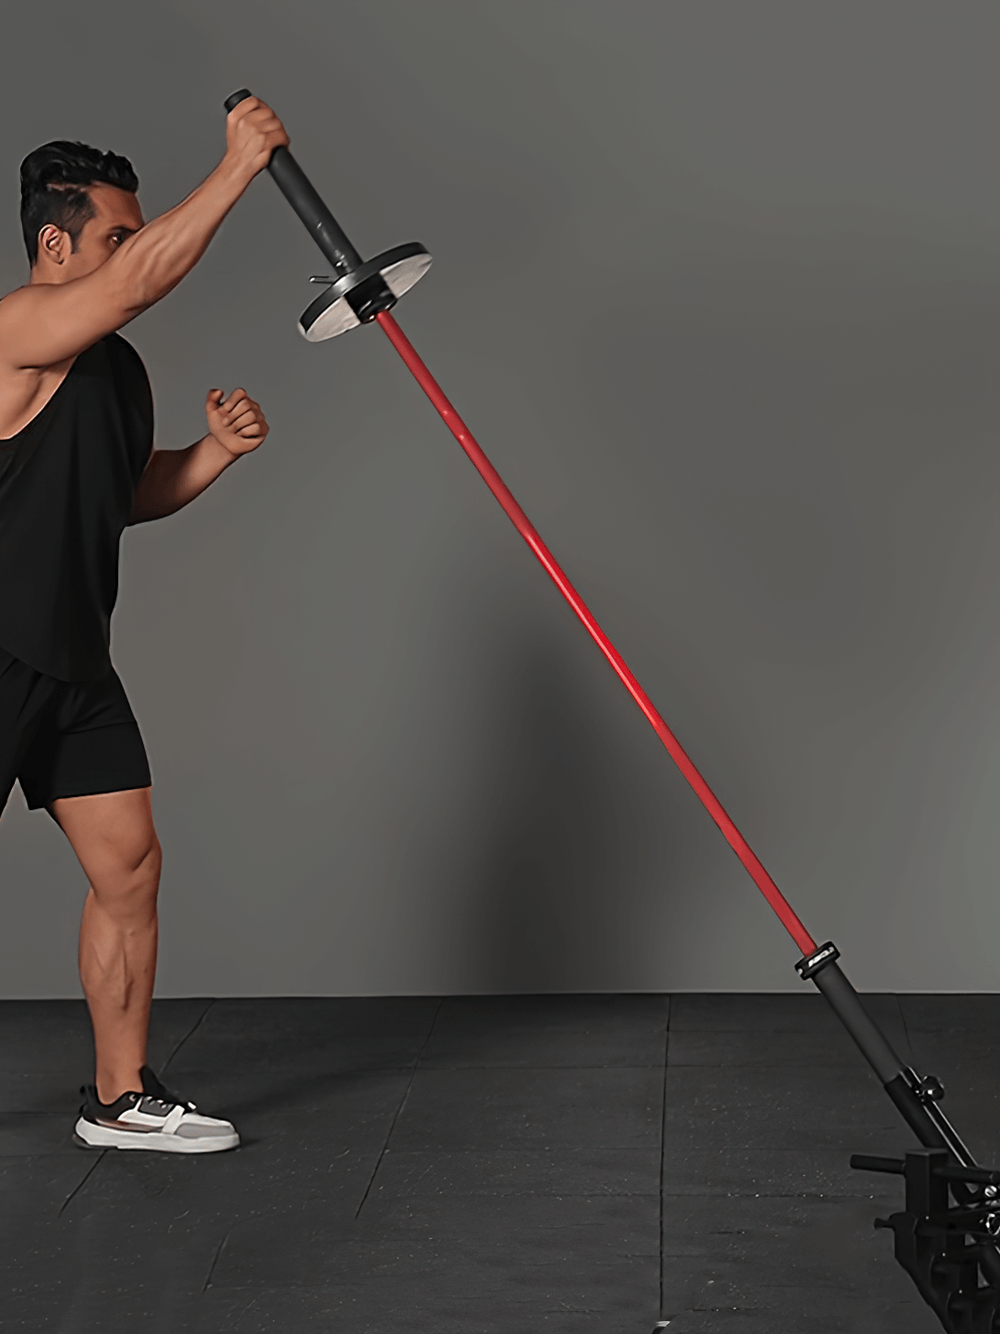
{"type": "Point", "coordinates": [555, 874]}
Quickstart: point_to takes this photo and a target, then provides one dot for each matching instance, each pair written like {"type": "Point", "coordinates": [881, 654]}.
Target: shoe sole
{"type": "Point", "coordinates": [89, 1136]}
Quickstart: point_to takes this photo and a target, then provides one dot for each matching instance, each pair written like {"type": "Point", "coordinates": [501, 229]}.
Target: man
{"type": "Point", "coordinates": [76, 466]}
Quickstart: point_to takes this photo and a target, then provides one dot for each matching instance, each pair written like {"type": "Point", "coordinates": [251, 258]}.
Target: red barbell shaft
{"type": "Point", "coordinates": [520, 521]}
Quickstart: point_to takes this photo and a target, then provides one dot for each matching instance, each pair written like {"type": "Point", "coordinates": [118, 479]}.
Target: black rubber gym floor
{"type": "Point", "coordinates": [495, 1164]}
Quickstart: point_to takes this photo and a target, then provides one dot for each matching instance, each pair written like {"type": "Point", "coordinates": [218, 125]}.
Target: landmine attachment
{"type": "Point", "coordinates": [947, 1250]}
{"type": "Point", "coordinates": [945, 1236]}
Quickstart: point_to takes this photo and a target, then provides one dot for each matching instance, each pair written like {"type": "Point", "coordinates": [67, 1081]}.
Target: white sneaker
{"type": "Point", "coordinates": [152, 1119]}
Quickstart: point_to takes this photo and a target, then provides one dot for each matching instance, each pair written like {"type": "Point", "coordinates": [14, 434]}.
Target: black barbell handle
{"type": "Point", "coordinates": [295, 185]}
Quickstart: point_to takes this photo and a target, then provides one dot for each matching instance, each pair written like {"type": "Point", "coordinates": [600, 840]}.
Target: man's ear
{"type": "Point", "coordinates": [55, 244]}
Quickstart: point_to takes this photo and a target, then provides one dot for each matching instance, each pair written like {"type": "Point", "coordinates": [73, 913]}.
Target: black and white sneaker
{"type": "Point", "coordinates": [152, 1119]}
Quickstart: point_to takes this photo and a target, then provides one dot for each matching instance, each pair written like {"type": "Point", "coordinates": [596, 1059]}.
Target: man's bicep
{"type": "Point", "coordinates": [44, 324]}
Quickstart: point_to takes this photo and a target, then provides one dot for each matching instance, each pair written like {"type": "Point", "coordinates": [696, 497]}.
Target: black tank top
{"type": "Point", "coordinates": [67, 482]}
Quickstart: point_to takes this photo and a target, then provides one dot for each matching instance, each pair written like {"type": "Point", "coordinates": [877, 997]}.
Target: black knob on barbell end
{"type": "Point", "coordinates": [234, 99]}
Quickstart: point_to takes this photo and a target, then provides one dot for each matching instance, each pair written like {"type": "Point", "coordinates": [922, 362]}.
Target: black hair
{"type": "Point", "coordinates": [53, 187]}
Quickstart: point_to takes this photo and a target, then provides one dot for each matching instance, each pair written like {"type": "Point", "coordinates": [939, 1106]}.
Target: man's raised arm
{"type": "Point", "coordinates": [45, 323]}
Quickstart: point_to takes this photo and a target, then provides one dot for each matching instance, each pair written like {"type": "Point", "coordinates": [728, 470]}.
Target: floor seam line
{"type": "Point", "coordinates": [399, 1109]}
{"type": "Point", "coordinates": [663, 1137]}
{"type": "Point", "coordinates": [215, 1261]}
{"type": "Point", "coordinates": [190, 1034]}
{"type": "Point", "coordinates": [80, 1185]}
{"type": "Point", "coordinates": [906, 1028]}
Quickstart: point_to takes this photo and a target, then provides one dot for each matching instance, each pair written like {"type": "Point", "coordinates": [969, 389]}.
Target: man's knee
{"type": "Point", "coordinates": [114, 838]}
{"type": "Point", "coordinates": [130, 875]}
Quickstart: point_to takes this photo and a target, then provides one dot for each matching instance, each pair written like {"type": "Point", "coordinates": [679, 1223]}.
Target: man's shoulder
{"type": "Point", "coordinates": [15, 305]}
{"type": "Point", "coordinates": [14, 291]}
{"type": "Point", "coordinates": [122, 351]}
{"type": "Point", "coordinates": [128, 373]}
{"type": "Point", "coordinates": [115, 340]}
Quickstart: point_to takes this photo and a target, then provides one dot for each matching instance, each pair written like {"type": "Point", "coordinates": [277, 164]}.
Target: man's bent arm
{"type": "Point", "coordinates": [47, 323]}
{"type": "Point", "coordinates": [174, 477]}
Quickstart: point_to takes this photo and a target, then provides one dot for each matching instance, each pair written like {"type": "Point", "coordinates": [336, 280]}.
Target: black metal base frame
{"type": "Point", "coordinates": [946, 1235]}
{"type": "Point", "coordinates": [948, 1249]}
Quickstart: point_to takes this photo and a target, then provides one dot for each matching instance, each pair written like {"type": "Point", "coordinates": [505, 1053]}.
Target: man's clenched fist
{"type": "Point", "coordinates": [236, 422]}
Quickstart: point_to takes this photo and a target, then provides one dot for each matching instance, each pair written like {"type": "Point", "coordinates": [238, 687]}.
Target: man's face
{"type": "Point", "coordinates": [117, 216]}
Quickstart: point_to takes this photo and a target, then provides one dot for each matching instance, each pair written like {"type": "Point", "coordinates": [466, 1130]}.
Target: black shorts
{"type": "Point", "coordinates": [66, 739]}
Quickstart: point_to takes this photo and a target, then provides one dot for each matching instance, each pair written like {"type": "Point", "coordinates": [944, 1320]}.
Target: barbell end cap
{"type": "Point", "coordinates": [234, 99]}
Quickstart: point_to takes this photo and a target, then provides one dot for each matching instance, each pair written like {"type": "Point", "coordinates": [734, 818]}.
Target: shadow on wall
{"type": "Point", "coordinates": [562, 850]}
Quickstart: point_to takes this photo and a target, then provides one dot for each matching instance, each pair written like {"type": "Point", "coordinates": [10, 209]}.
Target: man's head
{"type": "Point", "coordinates": [77, 206]}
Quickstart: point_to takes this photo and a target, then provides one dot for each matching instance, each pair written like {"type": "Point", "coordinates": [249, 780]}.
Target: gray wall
{"type": "Point", "coordinates": [716, 286]}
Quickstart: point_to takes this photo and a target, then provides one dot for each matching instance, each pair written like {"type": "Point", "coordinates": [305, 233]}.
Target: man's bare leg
{"type": "Point", "coordinates": [112, 834]}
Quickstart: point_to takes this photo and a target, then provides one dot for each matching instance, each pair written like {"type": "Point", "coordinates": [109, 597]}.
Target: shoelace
{"type": "Point", "coordinates": [171, 1099]}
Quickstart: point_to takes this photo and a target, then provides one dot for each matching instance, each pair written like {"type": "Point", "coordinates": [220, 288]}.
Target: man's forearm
{"type": "Point", "coordinates": [174, 477]}
{"type": "Point", "coordinates": [159, 255]}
